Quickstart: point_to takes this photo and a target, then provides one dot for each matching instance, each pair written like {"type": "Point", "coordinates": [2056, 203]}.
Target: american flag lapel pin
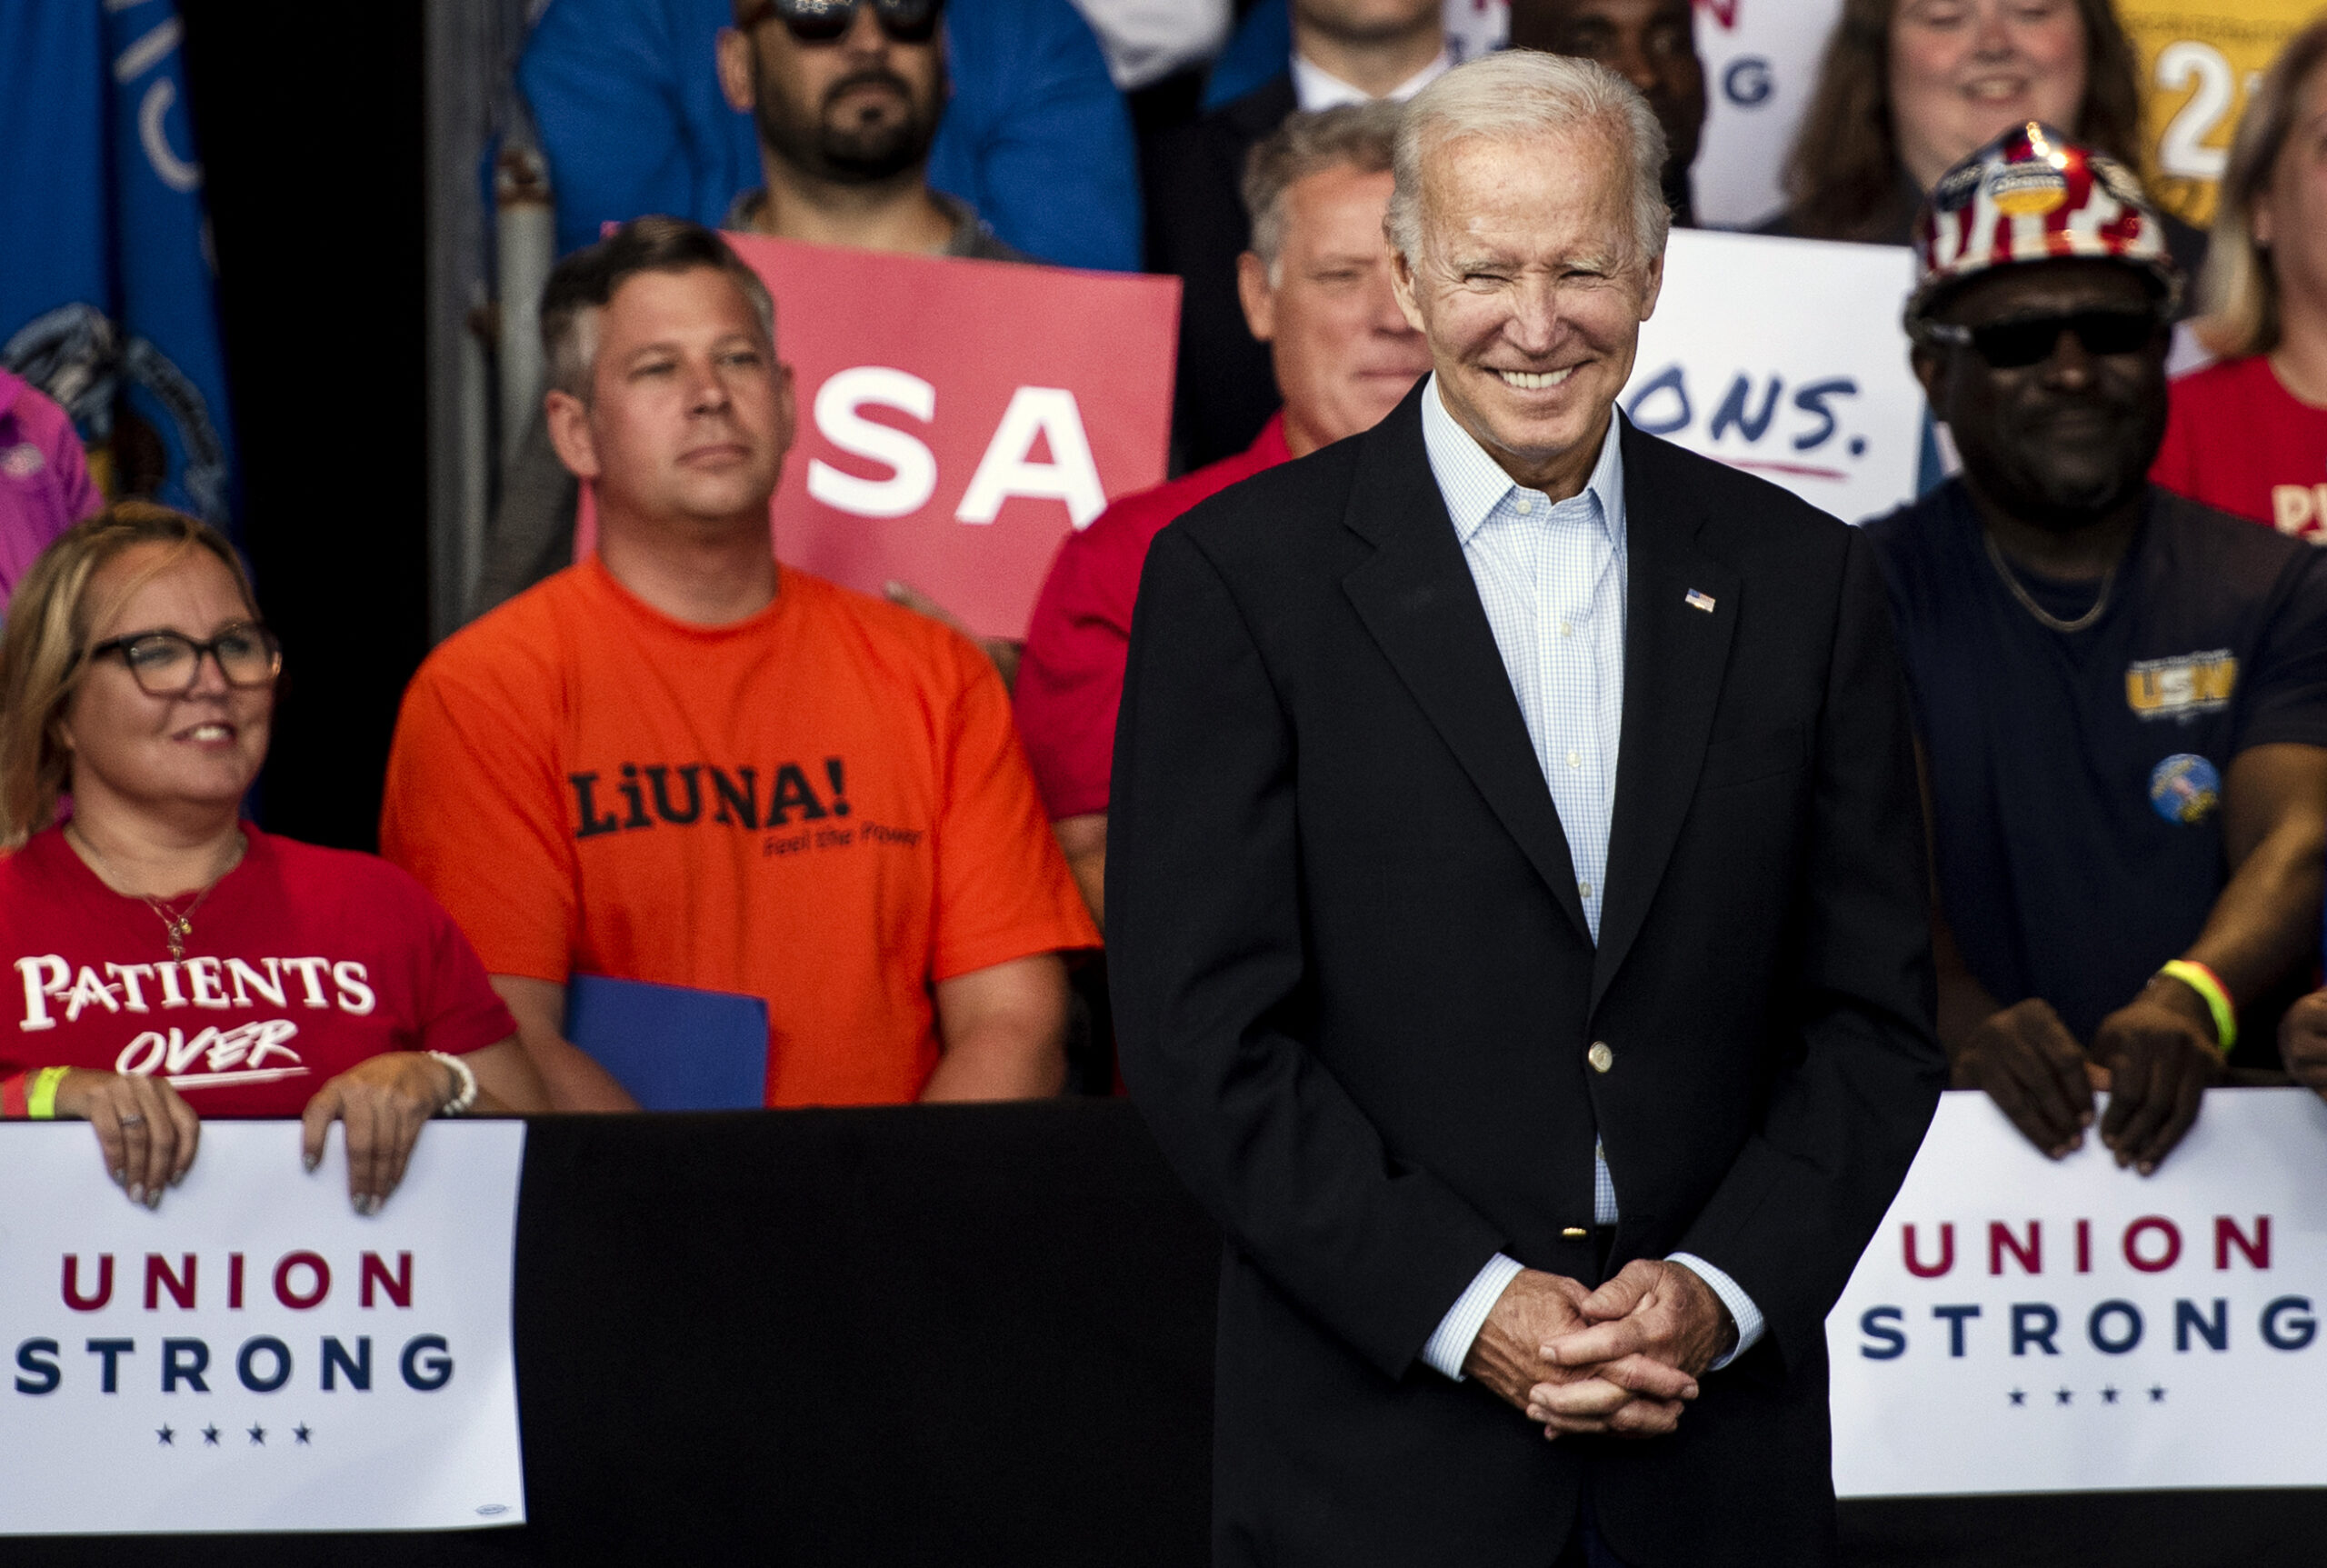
{"type": "Point", "coordinates": [1698, 600]}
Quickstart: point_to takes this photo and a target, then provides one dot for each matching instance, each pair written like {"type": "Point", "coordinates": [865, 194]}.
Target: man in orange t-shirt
{"type": "Point", "coordinates": [670, 763]}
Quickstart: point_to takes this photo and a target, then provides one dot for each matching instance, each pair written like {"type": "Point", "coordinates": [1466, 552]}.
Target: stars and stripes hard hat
{"type": "Point", "coordinates": [2032, 195]}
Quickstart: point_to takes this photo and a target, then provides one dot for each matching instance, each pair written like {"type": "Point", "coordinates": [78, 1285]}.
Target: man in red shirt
{"type": "Point", "coordinates": [1315, 288]}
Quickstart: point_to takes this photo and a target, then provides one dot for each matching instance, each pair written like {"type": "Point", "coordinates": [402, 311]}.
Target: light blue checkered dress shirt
{"type": "Point", "coordinates": [1553, 577]}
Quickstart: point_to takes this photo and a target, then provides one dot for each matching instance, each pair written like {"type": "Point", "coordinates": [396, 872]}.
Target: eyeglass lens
{"type": "Point", "coordinates": [166, 663]}
{"type": "Point", "coordinates": [2011, 344]}
{"type": "Point", "coordinates": [822, 21]}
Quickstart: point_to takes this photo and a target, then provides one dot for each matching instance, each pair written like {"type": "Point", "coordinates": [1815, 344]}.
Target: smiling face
{"type": "Point", "coordinates": [689, 415]}
{"type": "Point", "coordinates": [166, 757]}
{"type": "Point", "coordinates": [1531, 289]}
{"type": "Point", "coordinates": [2062, 443]}
{"type": "Point", "coordinates": [1343, 352]}
{"type": "Point", "coordinates": [1963, 71]}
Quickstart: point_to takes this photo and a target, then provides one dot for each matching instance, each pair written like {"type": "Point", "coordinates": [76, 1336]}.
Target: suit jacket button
{"type": "Point", "coordinates": [1600, 1056]}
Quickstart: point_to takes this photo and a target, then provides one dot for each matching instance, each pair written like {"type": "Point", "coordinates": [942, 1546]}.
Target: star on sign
{"type": "Point", "coordinates": [2062, 1397]}
{"type": "Point", "coordinates": [2019, 1397]}
{"type": "Point", "coordinates": [2157, 1395]}
{"type": "Point", "coordinates": [210, 1437]}
{"type": "Point", "coordinates": [300, 1432]}
{"type": "Point", "coordinates": [2108, 1396]}
{"type": "Point", "coordinates": [165, 1434]}
{"type": "Point", "coordinates": [258, 1436]}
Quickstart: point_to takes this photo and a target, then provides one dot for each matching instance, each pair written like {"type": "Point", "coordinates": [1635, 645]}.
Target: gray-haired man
{"type": "Point", "coordinates": [1516, 914]}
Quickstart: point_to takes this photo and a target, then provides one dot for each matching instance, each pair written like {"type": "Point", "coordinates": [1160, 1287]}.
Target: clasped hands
{"type": "Point", "coordinates": [1624, 1359]}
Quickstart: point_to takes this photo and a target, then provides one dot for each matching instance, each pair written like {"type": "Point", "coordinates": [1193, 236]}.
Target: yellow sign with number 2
{"type": "Point", "coordinates": [2200, 60]}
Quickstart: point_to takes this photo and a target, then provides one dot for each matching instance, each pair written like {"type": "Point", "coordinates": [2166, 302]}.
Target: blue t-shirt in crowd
{"type": "Point", "coordinates": [2076, 848]}
{"type": "Point", "coordinates": [1035, 138]}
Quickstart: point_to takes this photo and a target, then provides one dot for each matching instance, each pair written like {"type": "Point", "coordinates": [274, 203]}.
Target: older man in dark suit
{"type": "Point", "coordinates": [1517, 915]}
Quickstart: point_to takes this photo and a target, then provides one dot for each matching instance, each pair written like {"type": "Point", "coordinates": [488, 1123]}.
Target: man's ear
{"type": "Point", "coordinates": [569, 432]}
{"type": "Point", "coordinates": [1930, 369]}
{"type": "Point", "coordinates": [1402, 285]}
{"type": "Point", "coordinates": [1259, 299]}
{"type": "Point", "coordinates": [734, 56]}
{"type": "Point", "coordinates": [787, 409]}
{"type": "Point", "coordinates": [1654, 288]}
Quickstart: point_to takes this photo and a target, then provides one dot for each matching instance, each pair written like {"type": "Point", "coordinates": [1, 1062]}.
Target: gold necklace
{"type": "Point", "coordinates": [2028, 601]}
{"type": "Point", "coordinates": [176, 926]}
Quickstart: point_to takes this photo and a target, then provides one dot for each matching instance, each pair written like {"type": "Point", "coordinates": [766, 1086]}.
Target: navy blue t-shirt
{"type": "Point", "coordinates": [2059, 874]}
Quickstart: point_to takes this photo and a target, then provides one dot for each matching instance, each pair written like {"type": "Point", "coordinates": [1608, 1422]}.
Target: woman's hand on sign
{"type": "Point", "coordinates": [2030, 1066]}
{"type": "Point", "coordinates": [384, 1101]}
{"type": "Point", "coordinates": [147, 1133]}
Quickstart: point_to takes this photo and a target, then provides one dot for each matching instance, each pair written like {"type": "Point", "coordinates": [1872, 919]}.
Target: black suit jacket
{"type": "Point", "coordinates": [1196, 227]}
{"type": "Point", "coordinates": [1355, 991]}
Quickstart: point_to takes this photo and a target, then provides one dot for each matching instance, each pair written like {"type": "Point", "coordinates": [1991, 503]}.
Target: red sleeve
{"type": "Point", "coordinates": [1070, 679]}
{"type": "Point", "coordinates": [2176, 468]}
{"type": "Point", "coordinates": [1004, 891]}
{"type": "Point", "coordinates": [458, 1009]}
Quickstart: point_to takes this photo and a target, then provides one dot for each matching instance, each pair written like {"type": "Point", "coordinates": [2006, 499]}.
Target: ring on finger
{"type": "Point", "coordinates": [133, 1120]}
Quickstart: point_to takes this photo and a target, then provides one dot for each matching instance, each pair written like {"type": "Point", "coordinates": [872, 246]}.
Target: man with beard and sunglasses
{"type": "Point", "coordinates": [846, 95]}
{"type": "Point", "coordinates": [2121, 695]}
{"type": "Point", "coordinates": [846, 98]}
{"type": "Point", "coordinates": [634, 119]}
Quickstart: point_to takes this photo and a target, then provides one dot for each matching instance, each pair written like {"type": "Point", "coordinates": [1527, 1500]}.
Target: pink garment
{"type": "Point", "coordinates": [44, 484]}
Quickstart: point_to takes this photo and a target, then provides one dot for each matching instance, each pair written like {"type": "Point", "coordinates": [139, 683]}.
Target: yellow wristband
{"type": "Point", "coordinates": [2201, 980]}
{"type": "Point", "coordinates": [40, 1101]}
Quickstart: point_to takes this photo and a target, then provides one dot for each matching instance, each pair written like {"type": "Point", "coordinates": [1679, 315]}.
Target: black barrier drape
{"type": "Point", "coordinates": [953, 1335]}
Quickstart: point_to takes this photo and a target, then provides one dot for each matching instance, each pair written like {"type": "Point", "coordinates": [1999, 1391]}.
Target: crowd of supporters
{"type": "Point", "coordinates": [677, 761]}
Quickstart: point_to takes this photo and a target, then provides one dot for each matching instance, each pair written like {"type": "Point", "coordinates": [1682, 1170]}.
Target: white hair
{"type": "Point", "coordinates": [1514, 95]}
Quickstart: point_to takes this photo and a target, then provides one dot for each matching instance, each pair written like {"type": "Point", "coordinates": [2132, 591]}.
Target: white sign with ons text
{"type": "Point", "coordinates": [254, 1355]}
{"type": "Point", "coordinates": [1787, 358]}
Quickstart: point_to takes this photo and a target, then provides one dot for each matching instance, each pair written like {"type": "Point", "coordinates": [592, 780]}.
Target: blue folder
{"type": "Point", "coordinates": [673, 1047]}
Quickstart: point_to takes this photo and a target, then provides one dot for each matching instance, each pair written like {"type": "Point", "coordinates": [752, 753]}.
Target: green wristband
{"type": "Point", "coordinates": [40, 1101]}
{"type": "Point", "coordinates": [2201, 980]}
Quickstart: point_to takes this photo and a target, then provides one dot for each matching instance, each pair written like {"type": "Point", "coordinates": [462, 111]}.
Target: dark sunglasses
{"type": "Point", "coordinates": [169, 664]}
{"type": "Point", "coordinates": [2029, 340]}
{"type": "Point", "coordinates": [827, 21]}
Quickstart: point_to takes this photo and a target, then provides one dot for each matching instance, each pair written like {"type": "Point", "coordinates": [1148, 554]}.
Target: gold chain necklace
{"type": "Point", "coordinates": [176, 926]}
{"type": "Point", "coordinates": [2028, 601]}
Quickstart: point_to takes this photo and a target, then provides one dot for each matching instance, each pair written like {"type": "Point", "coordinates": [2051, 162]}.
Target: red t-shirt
{"type": "Point", "coordinates": [2237, 440]}
{"type": "Point", "coordinates": [301, 963]}
{"type": "Point", "coordinates": [1070, 678]}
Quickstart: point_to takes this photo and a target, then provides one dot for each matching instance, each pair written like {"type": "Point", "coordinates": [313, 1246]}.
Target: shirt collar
{"type": "Point", "coordinates": [1475, 483]}
{"type": "Point", "coordinates": [1316, 88]}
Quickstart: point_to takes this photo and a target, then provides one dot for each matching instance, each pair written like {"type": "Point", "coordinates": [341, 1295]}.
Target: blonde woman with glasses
{"type": "Point", "coordinates": [175, 961]}
{"type": "Point", "coordinates": [2248, 433]}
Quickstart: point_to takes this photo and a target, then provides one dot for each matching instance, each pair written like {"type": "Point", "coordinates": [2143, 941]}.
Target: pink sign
{"type": "Point", "coordinates": [957, 418]}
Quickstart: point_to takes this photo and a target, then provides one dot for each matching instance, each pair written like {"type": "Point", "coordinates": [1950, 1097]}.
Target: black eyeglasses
{"type": "Point", "coordinates": [168, 664]}
{"type": "Point", "coordinates": [2029, 340]}
{"type": "Point", "coordinates": [827, 21]}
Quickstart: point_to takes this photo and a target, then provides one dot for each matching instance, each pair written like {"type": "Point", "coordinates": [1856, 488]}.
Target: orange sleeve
{"type": "Point", "coordinates": [1004, 891]}
{"type": "Point", "coordinates": [471, 806]}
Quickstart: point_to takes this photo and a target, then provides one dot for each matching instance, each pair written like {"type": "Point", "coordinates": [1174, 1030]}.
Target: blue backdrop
{"type": "Point", "coordinates": [107, 291]}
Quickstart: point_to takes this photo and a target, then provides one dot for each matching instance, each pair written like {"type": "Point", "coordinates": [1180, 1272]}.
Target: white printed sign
{"type": "Point", "coordinates": [2022, 1325]}
{"type": "Point", "coordinates": [254, 1355]}
{"type": "Point", "coordinates": [1787, 358]}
